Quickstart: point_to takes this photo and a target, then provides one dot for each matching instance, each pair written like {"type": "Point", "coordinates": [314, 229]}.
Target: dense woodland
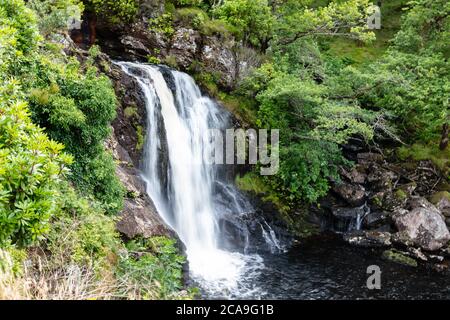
{"type": "Point", "coordinates": [319, 74]}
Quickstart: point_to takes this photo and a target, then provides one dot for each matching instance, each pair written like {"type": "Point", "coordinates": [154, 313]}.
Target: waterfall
{"type": "Point", "coordinates": [183, 185]}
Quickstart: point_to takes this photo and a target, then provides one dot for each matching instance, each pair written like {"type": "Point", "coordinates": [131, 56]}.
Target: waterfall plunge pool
{"type": "Point", "coordinates": [325, 267]}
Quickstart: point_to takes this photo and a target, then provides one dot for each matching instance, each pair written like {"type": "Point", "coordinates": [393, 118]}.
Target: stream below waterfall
{"type": "Point", "coordinates": [324, 267]}
{"type": "Point", "coordinates": [232, 252]}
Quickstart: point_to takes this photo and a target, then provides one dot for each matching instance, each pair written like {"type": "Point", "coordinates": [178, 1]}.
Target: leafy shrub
{"type": "Point", "coordinates": [191, 16]}
{"type": "Point", "coordinates": [19, 22]}
{"type": "Point", "coordinates": [156, 268]}
{"type": "Point", "coordinates": [188, 3]}
{"type": "Point", "coordinates": [31, 170]}
{"type": "Point", "coordinates": [115, 11]}
{"type": "Point", "coordinates": [211, 27]}
{"type": "Point", "coordinates": [82, 234]}
{"type": "Point", "coordinates": [76, 109]}
{"type": "Point", "coordinates": [56, 15]}
{"type": "Point", "coordinates": [163, 24]}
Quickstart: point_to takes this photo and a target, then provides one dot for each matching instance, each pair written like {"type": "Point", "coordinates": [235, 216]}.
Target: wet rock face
{"type": "Point", "coordinates": [186, 49]}
{"type": "Point", "coordinates": [368, 239]}
{"type": "Point", "coordinates": [139, 217]}
{"type": "Point", "coordinates": [423, 225]}
{"type": "Point", "coordinates": [130, 123]}
{"type": "Point", "coordinates": [376, 219]}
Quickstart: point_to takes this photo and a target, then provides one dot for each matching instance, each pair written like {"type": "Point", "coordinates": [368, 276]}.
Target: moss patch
{"type": "Point", "coordinates": [398, 257]}
{"type": "Point", "coordinates": [400, 194]}
{"type": "Point", "coordinates": [438, 196]}
{"type": "Point", "coordinates": [130, 112]}
{"type": "Point", "coordinates": [421, 152]}
{"type": "Point", "coordinates": [140, 138]}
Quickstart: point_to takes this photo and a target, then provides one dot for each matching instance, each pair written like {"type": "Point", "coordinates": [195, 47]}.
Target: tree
{"type": "Point", "coordinates": [114, 11]}
{"type": "Point", "coordinates": [252, 20]}
{"type": "Point", "coordinates": [411, 81]}
{"type": "Point", "coordinates": [343, 19]}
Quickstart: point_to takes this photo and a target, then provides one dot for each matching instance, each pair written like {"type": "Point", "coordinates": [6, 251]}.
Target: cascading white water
{"type": "Point", "coordinates": [178, 119]}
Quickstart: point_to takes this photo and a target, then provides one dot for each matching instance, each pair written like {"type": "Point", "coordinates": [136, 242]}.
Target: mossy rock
{"type": "Point", "coordinates": [400, 258]}
{"type": "Point", "coordinates": [438, 196]}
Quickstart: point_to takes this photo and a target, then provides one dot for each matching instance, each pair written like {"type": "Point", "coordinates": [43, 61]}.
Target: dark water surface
{"type": "Point", "coordinates": [327, 268]}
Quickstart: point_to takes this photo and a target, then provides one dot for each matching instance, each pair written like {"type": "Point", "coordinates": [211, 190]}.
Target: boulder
{"type": "Point", "coordinates": [356, 175]}
{"type": "Point", "coordinates": [184, 46]}
{"type": "Point", "coordinates": [389, 201]}
{"type": "Point", "coordinates": [354, 194]}
{"type": "Point", "coordinates": [218, 58]}
{"type": "Point", "coordinates": [368, 239]}
{"type": "Point", "coordinates": [134, 45]}
{"type": "Point", "coordinates": [375, 219]}
{"type": "Point", "coordinates": [422, 225]}
{"type": "Point", "coordinates": [381, 179]}
{"type": "Point", "coordinates": [140, 219]}
{"type": "Point", "coordinates": [347, 213]}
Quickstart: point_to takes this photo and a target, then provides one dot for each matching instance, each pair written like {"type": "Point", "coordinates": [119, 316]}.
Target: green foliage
{"type": "Point", "coordinates": [11, 260]}
{"type": "Point", "coordinates": [163, 24]}
{"type": "Point", "coordinates": [18, 34]}
{"type": "Point", "coordinates": [188, 3]}
{"type": "Point", "coordinates": [82, 234]}
{"type": "Point", "coordinates": [130, 112]}
{"type": "Point", "coordinates": [412, 80]}
{"type": "Point", "coordinates": [421, 152]}
{"type": "Point", "coordinates": [426, 27]}
{"type": "Point", "coordinates": [140, 137]}
{"type": "Point", "coordinates": [338, 18]}
{"type": "Point", "coordinates": [252, 20]}
{"type": "Point", "coordinates": [171, 61]}
{"type": "Point", "coordinates": [74, 105]}
{"type": "Point", "coordinates": [154, 263]}
{"type": "Point", "coordinates": [153, 59]}
{"type": "Point", "coordinates": [56, 15]}
{"type": "Point", "coordinates": [77, 241]}
{"type": "Point", "coordinates": [115, 11]}
{"type": "Point", "coordinates": [311, 127]}
{"type": "Point", "coordinates": [31, 170]}
{"type": "Point", "coordinates": [76, 109]}
{"type": "Point", "coordinates": [256, 184]}
{"type": "Point", "coordinates": [191, 16]}
{"type": "Point", "coordinates": [211, 27]}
